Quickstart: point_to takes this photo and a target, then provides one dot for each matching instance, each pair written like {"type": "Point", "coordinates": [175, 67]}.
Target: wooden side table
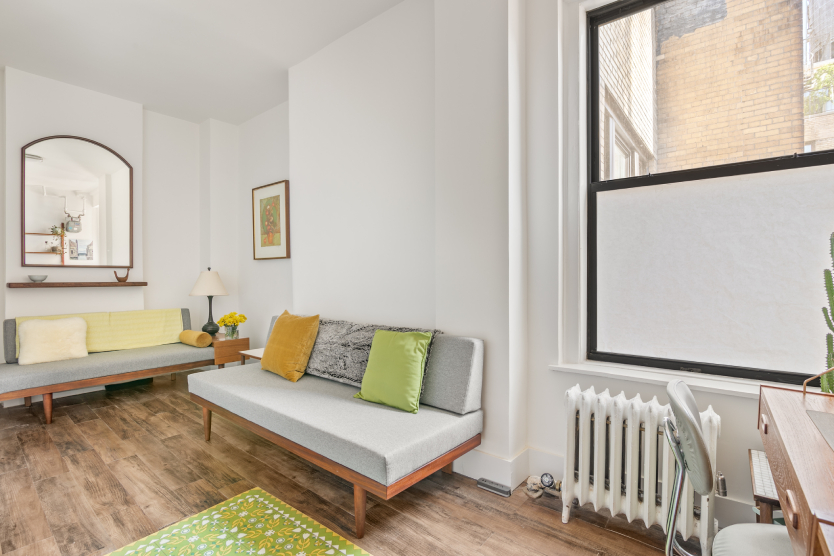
{"type": "Point", "coordinates": [251, 354]}
{"type": "Point", "coordinates": [226, 351]}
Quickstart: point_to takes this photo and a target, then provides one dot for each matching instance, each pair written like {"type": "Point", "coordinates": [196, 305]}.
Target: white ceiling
{"type": "Point", "coordinates": [193, 59]}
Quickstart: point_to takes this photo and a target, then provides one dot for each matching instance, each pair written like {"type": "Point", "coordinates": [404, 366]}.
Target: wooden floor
{"type": "Point", "coordinates": [117, 466]}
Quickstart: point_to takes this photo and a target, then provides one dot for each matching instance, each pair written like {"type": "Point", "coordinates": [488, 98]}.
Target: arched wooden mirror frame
{"type": "Point", "coordinates": [23, 203]}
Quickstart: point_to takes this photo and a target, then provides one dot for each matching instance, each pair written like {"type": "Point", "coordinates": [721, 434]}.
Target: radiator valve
{"type": "Point", "coordinates": [720, 484]}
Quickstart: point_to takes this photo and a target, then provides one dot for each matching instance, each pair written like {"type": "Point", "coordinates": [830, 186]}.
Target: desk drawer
{"type": "Point", "coordinates": [792, 499]}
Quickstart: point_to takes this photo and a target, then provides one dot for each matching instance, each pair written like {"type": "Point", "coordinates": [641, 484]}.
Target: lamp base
{"type": "Point", "coordinates": [212, 328]}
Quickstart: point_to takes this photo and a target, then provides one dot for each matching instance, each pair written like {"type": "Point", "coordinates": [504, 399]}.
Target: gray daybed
{"type": "Point", "coordinates": [379, 449]}
{"type": "Point", "coordinates": [25, 381]}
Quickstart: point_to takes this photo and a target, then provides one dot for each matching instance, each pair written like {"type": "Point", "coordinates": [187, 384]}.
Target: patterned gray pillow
{"type": "Point", "coordinates": [342, 348]}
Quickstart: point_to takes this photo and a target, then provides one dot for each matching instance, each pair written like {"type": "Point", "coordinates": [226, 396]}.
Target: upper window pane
{"type": "Point", "coordinates": [697, 83]}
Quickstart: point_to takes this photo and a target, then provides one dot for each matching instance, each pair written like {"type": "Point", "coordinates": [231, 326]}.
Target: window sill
{"type": "Point", "coordinates": [705, 383]}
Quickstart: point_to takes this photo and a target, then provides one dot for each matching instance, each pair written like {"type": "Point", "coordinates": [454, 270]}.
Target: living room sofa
{"type": "Point", "coordinates": [97, 368]}
{"type": "Point", "coordinates": [377, 448]}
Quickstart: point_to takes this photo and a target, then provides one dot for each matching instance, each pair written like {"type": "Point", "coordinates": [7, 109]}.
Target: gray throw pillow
{"type": "Point", "coordinates": [342, 348]}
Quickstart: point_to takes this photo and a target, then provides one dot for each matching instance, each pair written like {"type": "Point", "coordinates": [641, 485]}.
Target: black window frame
{"type": "Point", "coordinates": [596, 18]}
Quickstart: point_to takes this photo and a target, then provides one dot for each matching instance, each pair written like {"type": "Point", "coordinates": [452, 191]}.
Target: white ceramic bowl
{"type": "Point", "coordinates": [37, 277]}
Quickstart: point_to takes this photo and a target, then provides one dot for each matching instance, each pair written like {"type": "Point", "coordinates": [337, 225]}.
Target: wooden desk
{"type": "Point", "coordinates": [802, 463]}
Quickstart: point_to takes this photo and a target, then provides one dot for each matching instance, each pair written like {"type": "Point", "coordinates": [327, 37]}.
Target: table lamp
{"type": "Point", "coordinates": [209, 284]}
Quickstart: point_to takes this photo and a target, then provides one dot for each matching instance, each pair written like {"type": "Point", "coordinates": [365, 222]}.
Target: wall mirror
{"type": "Point", "coordinates": [77, 198]}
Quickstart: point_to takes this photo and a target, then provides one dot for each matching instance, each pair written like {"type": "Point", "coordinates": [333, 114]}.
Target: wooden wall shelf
{"type": "Point", "coordinates": [75, 284]}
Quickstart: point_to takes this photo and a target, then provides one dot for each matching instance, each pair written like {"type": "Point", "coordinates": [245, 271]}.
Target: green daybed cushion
{"type": "Point", "coordinates": [382, 443]}
{"type": "Point", "coordinates": [14, 377]}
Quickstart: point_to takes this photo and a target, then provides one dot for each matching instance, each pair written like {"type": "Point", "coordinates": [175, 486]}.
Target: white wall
{"type": "Point", "coordinates": [361, 115]}
{"type": "Point", "coordinates": [38, 107]}
{"type": "Point", "coordinates": [219, 158]}
{"type": "Point", "coordinates": [544, 399]}
{"type": "Point", "coordinates": [172, 214]}
{"type": "Point", "coordinates": [265, 287]}
{"type": "Point", "coordinates": [471, 173]}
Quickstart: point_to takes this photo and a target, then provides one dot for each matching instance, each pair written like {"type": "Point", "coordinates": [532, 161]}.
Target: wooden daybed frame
{"type": "Point", "coordinates": [47, 391]}
{"type": "Point", "coordinates": [361, 484]}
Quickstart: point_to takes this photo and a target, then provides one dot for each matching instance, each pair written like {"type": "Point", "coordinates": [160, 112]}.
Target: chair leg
{"type": "Point", "coordinates": [448, 469]}
{"type": "Point", "coordinates": [207, 423]}
{"type": "Point", "coordinates": [360, 498]}
{"type": "Point", "coordinates": [47, 408]}
{"type": "Point", "coordinates": [27, 401]}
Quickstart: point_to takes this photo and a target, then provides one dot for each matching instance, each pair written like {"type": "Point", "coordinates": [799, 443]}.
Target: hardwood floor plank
{"type": "Point", "coordinates": [169, 468]}
{"type": "Point", "coordinates": [45, 547]}
{"type": "Point", "coordinates": [11, 453]}
{"type": "Point", "coordinates": [156, 405]}
{"type": "Point", "coordinates": [199, 496]}
{"type": "Point", "coordinates": [75, 527]}
{"type": "Point", "coordinates": [67, 437]}
{"type": "Point", "coordinates": [119, 422]}
{"type": "Point", "coordinates": [253, 470]}
{"type": "Point", "coordinates": [157, 501]}
{"type": "Point", "coordinates": [18, 417]}
{"type": "Point", "coordinates": [104, 441]}
{"type": "Point", "coordinates": [127, 525]}
{"type": "Point", "coordinates": [498, 545]}
{"type": "Point", "coordinates": [102, 490]}
{"type": "Point", "coordinates": [150, 422]}
{"type": "Point", "coordinates": [42, 456]}
{"type": "Point", "coordinates": [233, 490]}
{"type": "Point", "coordinates": [22, 521]}
{"type": "Point", "coordinates": [216, 473]}
{"type": "Point", "coordinates": [421, 507]}
{"type": "Point", "coordinates": [80, 413]}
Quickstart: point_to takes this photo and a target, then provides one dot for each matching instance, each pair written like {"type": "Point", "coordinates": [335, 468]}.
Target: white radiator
{"type": "Point", "coordinates": [618, 445]}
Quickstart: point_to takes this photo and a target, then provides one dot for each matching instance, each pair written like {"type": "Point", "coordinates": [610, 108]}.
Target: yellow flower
{"type": "Point", "coordinates": [232, 319]}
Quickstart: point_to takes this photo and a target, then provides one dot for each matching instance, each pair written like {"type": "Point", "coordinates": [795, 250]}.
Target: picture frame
{"type": "Point", "coordinates": [271, 221]}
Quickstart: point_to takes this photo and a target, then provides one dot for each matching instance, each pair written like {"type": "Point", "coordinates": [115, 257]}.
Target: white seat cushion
{"type": "Point", "coordinates": [752, 539]}
{"type": "Point", "coordinates": [322, 415]}
{"type": "Point", "coordinates": [42, 341]}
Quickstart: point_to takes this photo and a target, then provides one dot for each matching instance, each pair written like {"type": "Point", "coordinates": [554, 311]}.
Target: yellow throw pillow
{"type": "Point", "coordinates": [195, 338]}
{"type": "Point", "coordinates": [288, 348]}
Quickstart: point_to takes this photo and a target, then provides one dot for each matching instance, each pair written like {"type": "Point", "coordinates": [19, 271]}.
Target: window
{"type": "Point", "coordinates": [694, 264]}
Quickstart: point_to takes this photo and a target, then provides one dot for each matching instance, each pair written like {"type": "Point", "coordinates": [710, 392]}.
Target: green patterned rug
{"type": "Point", "coordinates": [250, 523]}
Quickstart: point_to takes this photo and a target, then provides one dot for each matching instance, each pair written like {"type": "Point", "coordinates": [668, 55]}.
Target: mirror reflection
{"type": "Point", "coordinates": [77, 205]}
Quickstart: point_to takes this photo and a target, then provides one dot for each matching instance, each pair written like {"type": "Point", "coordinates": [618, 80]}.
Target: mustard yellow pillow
{"type": "Point", "coordinates": [195, 338]}
{"type": "Point", "coordinates": [288, 348]}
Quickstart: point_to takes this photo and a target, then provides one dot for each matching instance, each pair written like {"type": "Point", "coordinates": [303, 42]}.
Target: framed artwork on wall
{"type": "Point", "coordinates": [271, 221]}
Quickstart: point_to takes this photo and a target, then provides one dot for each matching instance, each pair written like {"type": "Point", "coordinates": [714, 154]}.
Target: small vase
{"type": "Point", "coordinates": [232, 333]}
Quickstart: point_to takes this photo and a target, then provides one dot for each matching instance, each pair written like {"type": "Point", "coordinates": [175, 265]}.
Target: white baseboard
{"type": "Point", "coordinates": [19, 401]}
{"type": "Point", "coordinates": [477, 464]}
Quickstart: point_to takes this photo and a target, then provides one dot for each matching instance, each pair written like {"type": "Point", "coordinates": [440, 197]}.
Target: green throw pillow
{"type": "Point", "coordinates": [394, 375]}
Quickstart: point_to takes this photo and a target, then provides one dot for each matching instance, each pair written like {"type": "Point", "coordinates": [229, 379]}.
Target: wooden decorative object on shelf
{"type": "Point", "coordinates": [122, 278]}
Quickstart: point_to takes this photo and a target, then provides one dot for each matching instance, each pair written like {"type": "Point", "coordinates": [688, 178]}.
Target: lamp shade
{"type": "Point", "coordinates": [209, 283]}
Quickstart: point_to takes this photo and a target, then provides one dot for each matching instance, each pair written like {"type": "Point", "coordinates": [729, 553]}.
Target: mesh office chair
{"type": "Point", "coordinates": [690, 450]}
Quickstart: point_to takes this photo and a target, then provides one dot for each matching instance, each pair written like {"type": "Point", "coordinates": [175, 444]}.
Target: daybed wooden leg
{"type": "Point", "coordinates": [447, 469]}
{"type": "Point", "coordinates": [173, 377]}
{"type": "Point", "coordinates": [360, 497]}
{"type": "Point", "coordinates": [47, 408]}
{"type": "Point", "coordinates": [207, 423]}
{"type": "Point", "coordinates": [27, 401]}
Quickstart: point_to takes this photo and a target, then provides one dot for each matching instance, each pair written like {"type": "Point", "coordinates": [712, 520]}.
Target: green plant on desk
{"type": "Point", "coordinates": [827, 380]}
